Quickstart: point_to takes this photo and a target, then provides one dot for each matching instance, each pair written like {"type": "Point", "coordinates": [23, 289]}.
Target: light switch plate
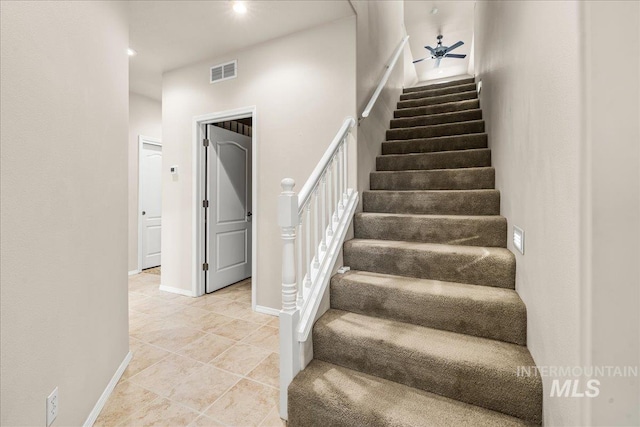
{"type": "Point", "coordinates": [518, 239]}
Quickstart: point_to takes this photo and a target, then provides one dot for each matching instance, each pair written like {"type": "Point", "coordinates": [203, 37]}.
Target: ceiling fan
{"type": "Point", "coordinates": [442, 52]}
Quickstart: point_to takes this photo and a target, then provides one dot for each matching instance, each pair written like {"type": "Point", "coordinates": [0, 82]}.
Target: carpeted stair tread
{"type": "Point", "coordinates": [472, 158]}
{"type": "Point", "coordinates": [464, 230]}
{"type": "Point", "coordinates": [447, 107]}
{"type": "Point", "coordinates": [446, 129]}
{"type": "Point", "coordinates": [437, 119]}
{"type": "Point", "coordinates": [481, 311]}
{"type": "Point", "coordinates": [436, 179]}
{"type": "Point", "coordinates": [428, 93]}
{"type": "Point", "coordinates": [328, 395]}
{"type": "Point", "coordinates": [486, 266]}
{"type": "Point", "coordinates": [470, 369]}
{"type": "Point", "coordinates": [422, 102]}
{"type": "Point", "coordinates": [439, 143]}
{"type": "Point", "coordinates": [422, 88]}
{"type": "Point", "coordinates": [433, 202]}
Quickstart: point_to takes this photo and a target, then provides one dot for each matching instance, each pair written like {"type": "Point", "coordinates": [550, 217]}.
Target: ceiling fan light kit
{"type": "Point", "coordinates": [440, 52]}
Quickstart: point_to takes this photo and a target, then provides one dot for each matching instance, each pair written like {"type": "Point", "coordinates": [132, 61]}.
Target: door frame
{"type": "Point", "coordinates": [198, 239]}
{"type": "Point", "coordinates": [142, 139]}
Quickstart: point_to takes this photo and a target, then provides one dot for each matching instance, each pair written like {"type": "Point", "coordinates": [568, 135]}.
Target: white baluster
{"type": "Point", "coordinates": [346, 167]}
{"type": "Point", "coordinates": [341, 176]}
{"type": "Point", "coordinates": [336, 190]}
{"type": "Point", "coordinates": [316, 255]}
{"type": "Point", "coordinates": [299, 280]}
{"type": "Point", "coordinates": [307, 277]}
{"type": "Point", "coordinates": [323, 210]}
{"type": "Point", "coordinates": [330, 197]}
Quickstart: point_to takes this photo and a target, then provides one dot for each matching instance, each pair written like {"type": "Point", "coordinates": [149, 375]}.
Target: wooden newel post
{"type": "Point", "coordinates": [289, 315]}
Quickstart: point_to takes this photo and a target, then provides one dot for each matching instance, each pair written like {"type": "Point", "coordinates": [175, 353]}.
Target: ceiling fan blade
{"type": "Point", "coordinates": [455, 46]}
{"type": "Point", "coordinates": [419, 60]}
{"type": "Point", "coordinates": [454, 55]}
{"type": "Point", "coordinates": [430, 49]}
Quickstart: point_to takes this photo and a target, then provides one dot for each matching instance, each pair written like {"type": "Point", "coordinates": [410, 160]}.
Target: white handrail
{"type": "Point", "coordinates": [384, 79]}
{"type": "Point", "coordinates": [307, 188]}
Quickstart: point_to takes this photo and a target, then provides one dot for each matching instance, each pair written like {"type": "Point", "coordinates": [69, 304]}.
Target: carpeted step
{"type": "Point", "coordinates": [474, 158]}
{"type": "Point", "coordinates": [440, 143]}
{"type": "Point", "coordinates": [433, 202]}
{"type": "Point", "coordinates": [474, 370]}
{"type": "Point", "coordinates": [447, 229]}
{"type": "Point", "coordinates": [448, 107]}
{"type": "Point", "coordinates": [450, 263]}
{"type": "Point", "coordinates": [481, 311]}
{"type": "Point", "coordinates": [423, 102]}
{"type": "Point", "coordinates": [437, 179]}
{"type": "Point", "coordinates": [459, 128]}
{"type": "Point", "coordinates": [437, 119]}
{"type": "Point", "coordinates": [328, 395]}
{"type": "Point", "coordinates": [439, 85]}
{"type": "Point", "coordinates": [428, 93]}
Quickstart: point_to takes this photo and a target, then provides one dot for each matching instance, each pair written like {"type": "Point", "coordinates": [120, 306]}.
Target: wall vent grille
{"type": "Point", "coordinates": [222, 72]}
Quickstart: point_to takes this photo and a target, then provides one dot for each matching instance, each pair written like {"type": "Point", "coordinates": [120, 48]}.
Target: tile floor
{"type": "Point", "coordinates": [208, 361]}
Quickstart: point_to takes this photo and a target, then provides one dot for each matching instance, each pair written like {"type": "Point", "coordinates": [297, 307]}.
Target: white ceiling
{"type": "Point", "coordinates": [171, 34]}
{"type": "Point", "coordinates": [454, 21]}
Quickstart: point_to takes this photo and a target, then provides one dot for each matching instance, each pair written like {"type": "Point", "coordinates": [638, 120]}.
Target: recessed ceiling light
{"type": "Point", "coordinates": [239, 7]}
{"type": "Point", "coordinates": [131, 52]}
{"type": "Point", "coordinates": [434, 10]}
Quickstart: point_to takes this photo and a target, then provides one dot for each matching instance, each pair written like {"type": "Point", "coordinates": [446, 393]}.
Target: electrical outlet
{"type": "Point", "coordinates": [52, 406]}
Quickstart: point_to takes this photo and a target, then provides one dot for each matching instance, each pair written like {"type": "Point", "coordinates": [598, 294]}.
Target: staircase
{"type": "Point", "coordinates": [426, 329]}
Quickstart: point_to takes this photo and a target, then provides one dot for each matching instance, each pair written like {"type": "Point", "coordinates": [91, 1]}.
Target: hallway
{"type": "Point", "coordinates": [208, 361]}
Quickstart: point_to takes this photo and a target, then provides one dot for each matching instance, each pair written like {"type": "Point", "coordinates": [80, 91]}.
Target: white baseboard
{"type": "Point", "coordinates": [267, 310]}
{"type": "Point", "coordinates": [93, 415]}
{"type": "Point", "coordinates": [132, 272]}
{"type": "Point", "coordinates": [179, 291]}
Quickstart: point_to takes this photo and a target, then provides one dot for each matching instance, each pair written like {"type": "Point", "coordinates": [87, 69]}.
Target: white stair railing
{"type": "Point", "coordinates": [313, 226]}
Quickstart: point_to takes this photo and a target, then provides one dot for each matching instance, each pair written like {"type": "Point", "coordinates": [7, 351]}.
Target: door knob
{"type": "Point", "coordinates": [144, 213]}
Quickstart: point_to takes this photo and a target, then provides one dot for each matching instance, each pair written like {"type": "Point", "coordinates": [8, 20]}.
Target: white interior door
{"type": "Point", "coordinates": [228, 230]}
{"type": "Point", "coordinates": [150, 203]}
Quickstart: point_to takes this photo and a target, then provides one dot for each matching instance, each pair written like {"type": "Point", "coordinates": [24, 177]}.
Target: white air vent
{"type": "Point", "coordinates": [518, 239]}
{"type": "Point", "coordinates": [224, 71]}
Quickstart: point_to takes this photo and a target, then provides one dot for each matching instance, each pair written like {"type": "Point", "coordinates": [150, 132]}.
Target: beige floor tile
{"type": "Point", "coordinates": [144, 355]}
{"type": "Point", "coordinates": [275, 322]}
{"type": "Point", "coordinates": [190, 315]}
{"type": "Point", "coordinates": [268, 371]}
{"type": "Point", "coordinates": [206, 302]}
{"type": "Point", "coordinates": [273, 419]}
{"type": "Point", "coordinates": [246, 404]}
{"type": "Point", "coordinates": [203, 387]}
{"type": "Point", "coordinates": [163, 413]}
{"type": "Point", "coordinates": [204, 421]}
{"type": "Point", "coordinates": [236, 329]}
{"type": "Point", "coordinates": [162, 377]}
{"type": "Point", "coordinates": [212, 321]}
{"type": "Point", "coordinates": [157, 306]}
{"type": "Point", "coordinates": [171, 338]}
{"type": "Point", "coordinates": [207, 348]}
{"type": "Point", "coordinates": [125, 400]}
{"type": "Point", "coordinates": [266, 337]}
{"type": "Point", "coordinates": [240, 359]}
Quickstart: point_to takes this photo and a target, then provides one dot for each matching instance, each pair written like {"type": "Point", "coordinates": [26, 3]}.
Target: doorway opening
{"type": "Point", "coordinates": [225, 199]}
{"type": "Point", "coordinates": [149, 204]}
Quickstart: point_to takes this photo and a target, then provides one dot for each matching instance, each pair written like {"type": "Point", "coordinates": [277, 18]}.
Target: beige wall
{"type": "Point", "coordinates": [564, 133]}
{"type": "Point", "coordinates": [64, 205]}
{"type": "Point", "coordinates": [531, 103]}
{"type": "Point", "coordinates": [303, 87]}
{"type": "Point", "coordinates": [380, 29]}
{"type": "Point", "coordinates": [145, 118]}
{"type": "Point", "coordinates": [610, 184]}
